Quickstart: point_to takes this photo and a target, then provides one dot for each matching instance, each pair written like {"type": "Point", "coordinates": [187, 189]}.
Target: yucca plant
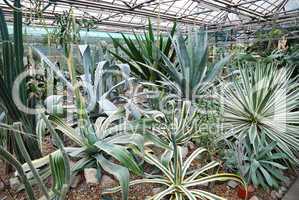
{"type": "Point", "coordinates": [191, 74]}
{"type": "Point", "coordinates": [144, 50]}
{"type": "Point", "coordinates": [258, 163]}
{"type": "Point", "coordinates": [263, 100]}
{"type": "Point", "coordinates": [177, 181]}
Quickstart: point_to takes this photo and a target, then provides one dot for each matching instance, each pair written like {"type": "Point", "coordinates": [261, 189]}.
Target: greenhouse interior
{"type": "Point", "coordinates": [149, 99]}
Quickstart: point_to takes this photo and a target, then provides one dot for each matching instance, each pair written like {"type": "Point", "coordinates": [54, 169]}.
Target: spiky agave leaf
{"type": "Point", "coordinates": [261, 164]}
{"type": "Point", "coordinates": [113, 140]}
{"type": "Point", "coordinates": [192, 74]}
{"type": "Point", "coordinates": [179, 183]}
{"type": "Point", "coordinates": [263, 100]}
{"type": "Point", "coordinates": [181, 121]}
{"type": "Point", "coordinates": [144, 49]}
{"type": "Point", "coordinates": [60, 164]}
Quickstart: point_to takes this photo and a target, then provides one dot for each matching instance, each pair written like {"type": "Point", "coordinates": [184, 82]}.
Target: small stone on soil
{"type": "Point", "coordinates": [2, 186]}
{"type": "Point", "coordinates": [14, 182]}
{"type": "Point", "coordinates": [254, 198]}
{"type": "Point", "coordinates": [191, 145]}
{"type": "Point", "coordinates": [107, 181]}
{"type": "Point", "coordinates": [274, 195]}
{"type": "Point", "coordinates": [232, 184]}
{"type": "Point", "coordinates": [75, 181]}
{"type": "Point", "coordinates": [90, 175]}
{"type": "Point", "coordinates": [281, 192]}
{"type": "Point", "coordinates": [283, 189]}
{"type": "Point", "coordinates": [156, 190]}
{"type": "Point", "coordinates": [184, 152]}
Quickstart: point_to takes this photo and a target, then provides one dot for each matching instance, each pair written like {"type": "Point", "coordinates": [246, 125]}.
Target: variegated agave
{"type": "Point", "coordinates": [180, 121]}
{"type": "Point", "coordinates": [178, 182]}
{"type": "Point", "coordinates": [264, 100]}
{"type": "Point", "coordinates": [109, 138]}
{"type": "Point", "coordinates": [37, 171]}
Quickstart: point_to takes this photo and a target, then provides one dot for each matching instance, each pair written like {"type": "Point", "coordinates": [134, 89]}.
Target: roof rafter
{"type": "Point", "coordinates": [133, 14]}
{"type": "Point", "coordinates": [235, 8]}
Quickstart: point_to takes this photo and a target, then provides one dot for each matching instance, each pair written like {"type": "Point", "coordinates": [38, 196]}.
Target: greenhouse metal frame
{"type": "Point", "coordinates": [127, 15]}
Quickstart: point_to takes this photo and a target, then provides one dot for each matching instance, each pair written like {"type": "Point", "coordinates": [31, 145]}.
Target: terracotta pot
{"type": "Point", "coordinates": [242, 191]}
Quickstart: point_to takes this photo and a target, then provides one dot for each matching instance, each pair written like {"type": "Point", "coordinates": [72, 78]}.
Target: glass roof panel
{"type": "Point", "coordinates": [292, 5]}
{"type": "Point", "coordinates": [128, 14]}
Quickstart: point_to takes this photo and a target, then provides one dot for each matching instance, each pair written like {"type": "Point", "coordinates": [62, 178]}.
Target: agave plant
{"type": "Point", "coordinates": [191, 75]}
{"type": "Point", "coordinates": [258, 163]}
{"type": "Point", "coordinates": [8, 157]}
{"type": "Point", "coordinates": [98, 84]}
{"type": "Point", "coordinates": [29, 172]}
{"type": "Point", "coordinates": [112, 137]}
{"type": "Point", "coordinates": [109, 137]}
{"type": "Point", "coordinates": [263, 100]}
{"type": "Point", "coordinates": [144, 50]}
{"type": "Point", "coordinates": [180, 121]}
{"type": "Point", "coordinates": [178, 181]}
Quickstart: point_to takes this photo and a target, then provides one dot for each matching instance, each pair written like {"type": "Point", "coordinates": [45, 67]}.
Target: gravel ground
{"type": "Point", "coordinates": [93, 192]}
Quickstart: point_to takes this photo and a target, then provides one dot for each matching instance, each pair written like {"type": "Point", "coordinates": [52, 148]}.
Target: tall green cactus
{"type": "Point", "coordinates": [12, 56]}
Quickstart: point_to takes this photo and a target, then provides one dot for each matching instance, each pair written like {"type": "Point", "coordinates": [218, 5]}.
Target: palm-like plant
{"type": "Point", "coordinates": [263, 100]}
{"type": "Point", "coordinates": [191, 74]}
{"type": "Point", "coordinates": [144, 50]}
{"type": "Point", "coordinates": [180, 182]}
